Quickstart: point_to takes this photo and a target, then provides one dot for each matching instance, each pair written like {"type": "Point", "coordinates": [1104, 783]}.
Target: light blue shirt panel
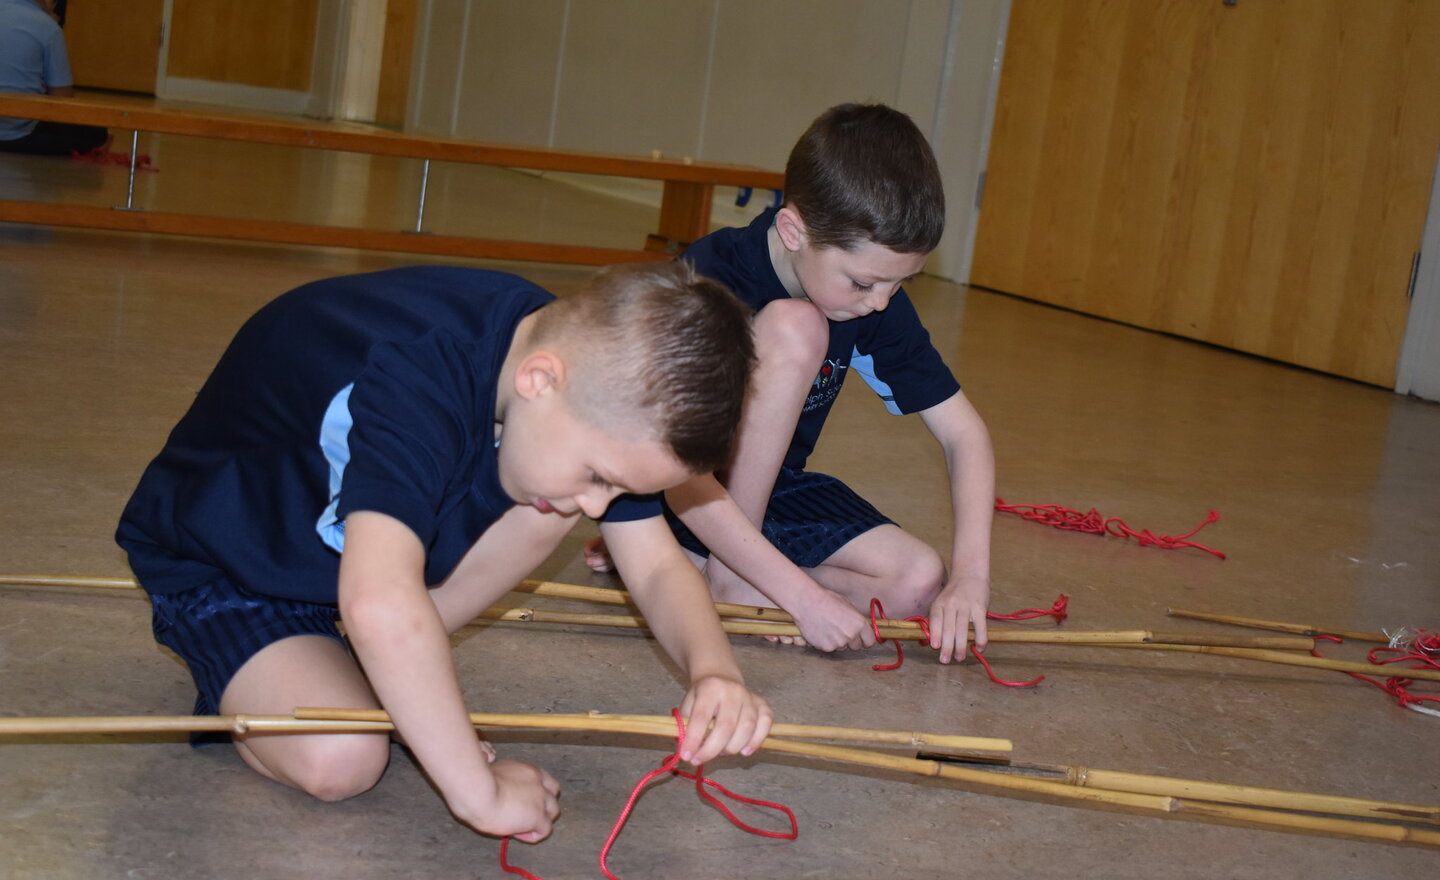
{"type": "Point", "coordinates": [335, 444]}
{"type": "Point", "coordinates": [864, 364]}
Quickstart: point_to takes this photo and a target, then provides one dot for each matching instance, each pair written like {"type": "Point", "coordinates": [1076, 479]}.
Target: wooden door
{"type": "Point", "coordinates": [115, 45]}
{"type": "Point", "coordinates": [395, 62]}
{"type": "Point", "coordinates": [263, 43]}
{"type": "Point", "coordinates": [1253, 175]}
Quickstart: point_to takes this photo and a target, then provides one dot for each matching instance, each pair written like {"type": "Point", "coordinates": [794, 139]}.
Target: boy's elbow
{"type": "Point", "coordinates": [371, 617]}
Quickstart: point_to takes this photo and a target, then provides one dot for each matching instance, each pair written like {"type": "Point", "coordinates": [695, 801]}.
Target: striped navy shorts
{"type": "Point", "coordinates": [810, 517]}
{"type": "Point", "coordinates": [217, 627]}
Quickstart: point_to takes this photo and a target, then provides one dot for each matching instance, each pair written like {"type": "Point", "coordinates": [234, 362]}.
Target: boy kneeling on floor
{"type": "Point", "coordinates": [400, 449]}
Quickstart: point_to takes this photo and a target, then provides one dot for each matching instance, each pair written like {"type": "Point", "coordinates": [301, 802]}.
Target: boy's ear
{"type": "Point", "coordinates": [539, 373]}
{"type": "Point", "coordinates": [791, 228]}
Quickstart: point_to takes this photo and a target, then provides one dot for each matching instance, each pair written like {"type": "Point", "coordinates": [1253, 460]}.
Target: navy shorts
{"type": "Point", "coordinates": [810, 517]}
{"type": "Point", "coordinates": [217, 627]}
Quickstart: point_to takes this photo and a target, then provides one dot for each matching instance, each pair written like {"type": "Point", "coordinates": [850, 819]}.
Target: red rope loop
{"type": "Point", "coordinates": [1092, 522]}
{"type": "Point", "coordinates": [509, 868]}
{"type": "Point", "coordinates": [877, 613]}
{"type": "Point", "coordinates": [672, 765]}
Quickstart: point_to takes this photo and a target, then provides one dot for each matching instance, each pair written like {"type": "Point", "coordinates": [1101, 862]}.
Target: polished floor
{"type": "Point", "coordinates": [1329, 495]}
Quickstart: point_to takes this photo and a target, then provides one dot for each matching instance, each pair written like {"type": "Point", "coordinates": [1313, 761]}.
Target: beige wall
{"type": "Point", "coordinates": [722, 80]}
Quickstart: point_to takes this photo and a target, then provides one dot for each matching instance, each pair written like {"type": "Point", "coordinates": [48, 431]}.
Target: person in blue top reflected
{"type": "Point", "coordinates": [34, 61]}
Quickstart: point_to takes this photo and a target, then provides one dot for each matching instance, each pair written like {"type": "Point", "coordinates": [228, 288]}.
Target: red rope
{"type": "Point", "coordinates": [877, 613]}
{"type": "Point", "coordinates": [1058, 611]}
{"type": "Point", "coordinates": [1424, 653]}
{"type": "Point", "coordinates": [509, 868]}
{"type": "Point", "coordinates": [1092, 522]}
{"type": "Point", "coordinates": [106, 156]}
{"type": "Point", "coordinates": [671, 765]}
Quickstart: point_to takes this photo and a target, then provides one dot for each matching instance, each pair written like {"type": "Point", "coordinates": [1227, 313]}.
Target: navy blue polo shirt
{"type": "Point", "coordinates": [368, 392]}
{"type": "Point", "coordinates": [890, 349]}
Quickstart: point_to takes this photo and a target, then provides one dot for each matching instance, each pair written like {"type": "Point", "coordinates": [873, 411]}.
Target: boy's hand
{"type": "Point", "coordinates": [737, 719]}
{"type": "Point", "coordinates": [831, 623]}
{"type": "Point", "coordinates": [525, 804]}
{"type": "Point", "coordinates": [961, 605]}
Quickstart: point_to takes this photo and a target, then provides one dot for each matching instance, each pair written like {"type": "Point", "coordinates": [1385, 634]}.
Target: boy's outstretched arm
{"type": "Point", "coordinates": [673, 596]}
{"type": "Point", "coordinates": [826, 619]}
{"type": "Point", "coordinates": [401, 643]}
{"type": "Point", "coordinates": [970, 460]}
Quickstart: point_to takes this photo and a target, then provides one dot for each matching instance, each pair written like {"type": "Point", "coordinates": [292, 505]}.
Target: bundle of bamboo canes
{"type": "Point", "coordinates": [1161, 797]}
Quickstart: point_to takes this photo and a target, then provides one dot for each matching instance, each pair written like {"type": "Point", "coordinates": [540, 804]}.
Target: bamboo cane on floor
{"type": "Point", "coordinates": [309, 720]}
{"type": "Point", "coordinates": [1163, 806]}
{"type": "Point", "coordinates": [1295, 660]}
{"type": "Point", "coordinates": [1303, 629]}
{"type": "Point", "coordinates": [1194, 789]}
{"type": "Point", "coordinates": [891, 629]}
{"type": "Point", "coordinates": [773, 621]}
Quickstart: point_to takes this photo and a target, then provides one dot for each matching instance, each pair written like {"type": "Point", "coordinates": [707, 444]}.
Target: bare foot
{"type": "Point", "coordinates": [597, 556]}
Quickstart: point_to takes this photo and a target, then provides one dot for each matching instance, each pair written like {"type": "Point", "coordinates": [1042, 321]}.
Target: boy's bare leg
{"type": "Point", "coordinates": [319, 671]}
{"type": "Point", "coordinates": [792, 336]}
{"type": "Point", "coordinates": [885, 563]}
{"type": "Point", "coordinates": [307, 671]}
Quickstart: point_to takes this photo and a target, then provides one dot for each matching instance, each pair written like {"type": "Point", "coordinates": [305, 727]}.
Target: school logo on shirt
{"type": "Point", "coordinates": [826, 385]}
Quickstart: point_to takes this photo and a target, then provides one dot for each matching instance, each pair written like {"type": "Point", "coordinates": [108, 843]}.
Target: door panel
{"type": "Point", "coordinates": [115, 45]}
{"type": "Point", "coordinates": [263, 43]}
{"type": "Point", "coordinates": [1254, 175]}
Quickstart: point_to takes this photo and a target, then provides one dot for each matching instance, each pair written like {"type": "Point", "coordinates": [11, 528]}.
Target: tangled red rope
{"type": "Point", "coordinates": [877, 613]}
{"type": "Point", "coordinates": [671, 765]}
{"type": "Point", "coordinates": [1094, 523]}
{"type": "Point", "coordinates": [106, 156]}
{"type": "Point", "coordinates": [1423, 653]}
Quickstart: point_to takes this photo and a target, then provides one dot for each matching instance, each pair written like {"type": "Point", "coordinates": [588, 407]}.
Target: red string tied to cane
{"type": "Point", "coordinates": [1424, 654]}
{"type": "Point", "coordinates": [877, 613]}
{"type": "Point", "coordinates": [671, 765]}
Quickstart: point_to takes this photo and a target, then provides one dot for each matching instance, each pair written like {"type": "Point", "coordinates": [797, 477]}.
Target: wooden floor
{"type": "Point", "coordinates": [1329, 494]}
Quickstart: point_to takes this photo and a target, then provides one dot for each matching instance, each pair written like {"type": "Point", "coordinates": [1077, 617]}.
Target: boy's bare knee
{"type": "Point", "coordinates": [793, 330]}
{"type": "Point", "coordinates": [919, 581]}
{"type": "Point", "coordinates": [342, 768]}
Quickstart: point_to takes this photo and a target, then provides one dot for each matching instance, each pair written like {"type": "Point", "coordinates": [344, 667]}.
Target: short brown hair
{"type": "Point", "coordinates": [864, 172]}
{"type": "Point", "coordinates": [661, 348]}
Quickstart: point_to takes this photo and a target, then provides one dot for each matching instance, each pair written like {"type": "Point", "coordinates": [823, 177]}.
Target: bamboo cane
{"type": "Point", "coordinates": [313, 720]}
{"type": "Point", "coordinates": [1237, 795]}
{"type": "Point", "coordinates": [237, 724]}
{"type": "Point", "coordinates": [1297, 660]}
{"type": "Point", "coordinates": [1304, 629]}
{"type": "Point", "coordinates": [779, 623]}
{"type": "Point", "coordinates": [888, 629]}
{"type": "Point", "coordinates": [1163, 806]}
{"type": "Point", "coordinates": [800, 731]}
{"type": "Point", "coordinates": [1091, 791]}
{"type": "Point", "coordinates": [55, 580]}
{"type": "Point", "coordinates": [606, 596]}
